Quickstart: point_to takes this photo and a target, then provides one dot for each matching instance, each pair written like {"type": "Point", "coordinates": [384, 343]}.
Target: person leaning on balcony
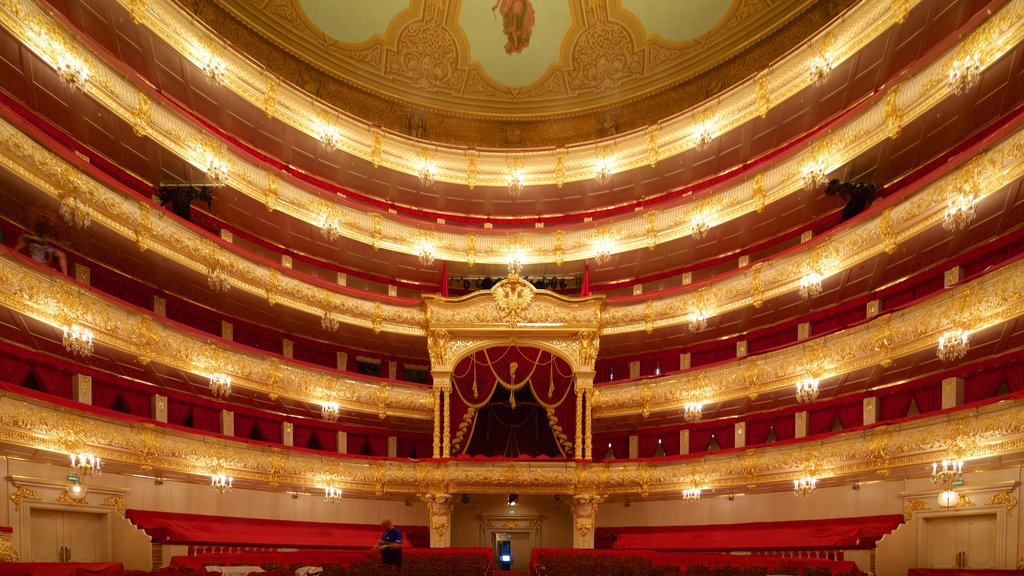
{"type": "Point", "coordinates": [390, 544]}
{"type": "Point", "coordinates": [38, 246]}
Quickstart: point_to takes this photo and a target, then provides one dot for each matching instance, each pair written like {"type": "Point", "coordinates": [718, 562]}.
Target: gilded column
{"type": "Point", "coordinates": [578, 452]}
{"type": "Point", "coordinates": [436, 393]}
{"type": "Point", "coordinates": [442, 414]}
{"type": "Point", "coordinates": [584, 510]}
{"type": "Point", "coordinates": [584, 398]}
{"type": "Point", "coordinates": [439, 506]}
{"type": "Point", "coordinates": [446, 393]}
{"type": "Point", "coordinates": [587, 436]}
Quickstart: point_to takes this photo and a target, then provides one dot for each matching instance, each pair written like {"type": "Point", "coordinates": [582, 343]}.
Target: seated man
{"type": "Point", "coordinates": [390, 544]}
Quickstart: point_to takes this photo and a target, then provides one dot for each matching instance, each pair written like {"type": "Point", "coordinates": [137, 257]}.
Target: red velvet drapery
{"type": "Point", "coordinates": [495, 374]}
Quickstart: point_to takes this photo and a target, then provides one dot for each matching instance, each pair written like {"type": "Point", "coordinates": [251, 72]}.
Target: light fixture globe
{"type": "Point", "coordinates": [948, 499]}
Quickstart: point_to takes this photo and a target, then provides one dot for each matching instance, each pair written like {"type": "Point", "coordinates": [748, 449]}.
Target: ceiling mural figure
{"type": "Point", "coordinates": [517, 18]}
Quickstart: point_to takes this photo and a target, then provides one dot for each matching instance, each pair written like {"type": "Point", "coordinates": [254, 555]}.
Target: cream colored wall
{"type": "Point", "coordinates": [895, 553]}
{"type": "Point", "coordinates": [556, 519]}
{"type": "Point", "coordinates": [132, 547]}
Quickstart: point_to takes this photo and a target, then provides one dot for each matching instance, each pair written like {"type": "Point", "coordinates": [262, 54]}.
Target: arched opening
{"type": "Point", "coordinates": [512, 401]}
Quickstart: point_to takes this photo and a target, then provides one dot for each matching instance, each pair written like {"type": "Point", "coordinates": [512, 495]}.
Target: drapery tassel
{"type": "Point", "coordinates": [476, 392]}
{"type": "Point", "coordinates": [551, 383]}
{"type": "Point", "coordinates": [512, 384]}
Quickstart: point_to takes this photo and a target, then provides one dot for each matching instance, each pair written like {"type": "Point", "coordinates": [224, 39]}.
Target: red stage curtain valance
{"type": "Point", "coordinates": [174, 528]}
{"type": "Point", "coordinates": [832, 534]}
{"type": "Point", "coordinates": [499, 372]}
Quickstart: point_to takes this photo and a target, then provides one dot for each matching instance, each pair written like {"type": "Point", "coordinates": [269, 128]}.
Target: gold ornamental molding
{"type": "Point", "coordinates": [84, 200]}
{"type": "Point", "coordinates": [513, 312]}
{"type": "Point", "coordinates": [87, 200]}
{"type": "Point", "coordinates": [992, 299]}
{"type": "Point", "coordinates": [336, 217]}
{"type": "Point", "coordinates": [825, 255]}
{"type": "Point", "coordinates": [984, 431]}
{"type": "Point", "coordinates": [35, 292]}
{"type": "Point", "coordinates": [489, 167]}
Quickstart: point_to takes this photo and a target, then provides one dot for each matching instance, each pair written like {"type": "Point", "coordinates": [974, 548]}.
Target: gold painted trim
{"type": "Point", "coordinates": [827, 255]}
{"type": "Point", "coordinates": [996, 429]}
{"type": "Point", "coordinates": [914, 97]}
{"type": "Point", "coordinates": [846, 36]}
{"type": "Point", "coordinates": [37, 293]}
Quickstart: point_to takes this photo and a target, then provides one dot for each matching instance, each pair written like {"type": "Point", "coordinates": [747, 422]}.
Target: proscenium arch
{"type": "Point", "coordinates": [513, 313]}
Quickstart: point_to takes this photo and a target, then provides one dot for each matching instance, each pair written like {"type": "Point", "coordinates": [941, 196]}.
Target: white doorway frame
{"type": "Point", "coordinates": [998, 511]}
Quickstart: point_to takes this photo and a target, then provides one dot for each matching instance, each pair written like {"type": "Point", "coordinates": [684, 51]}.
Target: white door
{"type": "Point", "coordinates": [58, 536]}
{"type": "Point", "coordinates": [961, 541]}
{"type": "Point", "coordinates": [47, 533]}
{"type": "Point", "coordinates": [82, 537]}
{"type": "Point", "coordinates": [979, 542]}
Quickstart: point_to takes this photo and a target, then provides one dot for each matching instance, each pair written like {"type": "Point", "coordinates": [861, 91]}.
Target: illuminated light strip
{"type": "Point", "coordinates": [997, 428]}
{"type": "Point", "coordinates": [912, 98]}
{"type": "Point", "coordinates": [847, 35]}
{"type": "Point", "coordinates": [47, 297]}
{"type": "Point", "coordinates": [829, 253]}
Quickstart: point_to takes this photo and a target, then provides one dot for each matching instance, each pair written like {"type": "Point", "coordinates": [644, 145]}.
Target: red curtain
{"type": "Point", "coordinates": [53, 381]}
{"type": "Point", "coordinates": [983, 385]}
{"type": "Point", "coordinates": [178, 412]}
{"type": "Point", "coordinates": [305, 353]}
{"type": "Point", "coordinates": [928, 398]}
{"type": "Point", "coordinates": [619, 445]}
{"type": "Point", "coordinates": [244, 424]}
{"type": "Point", "coordinates": [301, 436]}
{"type": "Point", "coordinates": [700, 439]}
{"type": "Point", "coordinates": [648, 445]}
{"type": "Point", "coordinates": [1015, 377]}
{"type": "Point", "coordinates": [820, 421]}
{"type": "Point", "coordinates": [270, 431]}
{"type": "Point", "coordinates": [207, 419]}
{"type": "Point", "coordinates": [257, 338]}
{"type": "Point", "coordinates": [327, 438]}
{"type": "Point", "coordinates": [138, 403]}
{"type": "Point", "coordinates": [758, 430]}
{"type": "Point", "coordinates": [494, 374]}
{"type": "Point", "coordinates": [785, 427]}
{"type": "Point", "coordinates": [894, 406]}
{"type": "Point", "coordinates": [13, 370]}
{"type": "Point", "coordinates": [852, 415]}
{"type": "Point", "coordinates": [104, 395]}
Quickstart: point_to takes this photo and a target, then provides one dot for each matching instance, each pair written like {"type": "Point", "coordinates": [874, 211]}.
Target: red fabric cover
{"type": "Point", "coordinates": [551, 557]}
{"type": "Point", "coordinates": [958, 572]}
{"type": "Point", "coordinates": [322, 557]}
{"type": "Point", "coordinates": [175, 528]}
{"type": "Point", "coordinates": [61, 568]}
{"type": "Point", "coordinates": [830, 534]}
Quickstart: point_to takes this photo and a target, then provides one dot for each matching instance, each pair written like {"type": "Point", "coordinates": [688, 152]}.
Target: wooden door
{"type": "Point", "coordinates": [967, 541]}
{"type": "Point", "coordinates": [978, 542]}
{"type": "Point", "coordinates": [47, 534]}
{"type": "Point", "coordinates": [82, 537]}
{"type": "Point", "coordinates": [58, 536]}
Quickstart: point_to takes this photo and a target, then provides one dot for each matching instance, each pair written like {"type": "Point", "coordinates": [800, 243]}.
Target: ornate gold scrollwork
{"type": "Point", "coordinates": [513, 296]}
{"type": "Point", "coordinates": [21, 493]}
{"type": "Point", "coordinates": [1007, 499]}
